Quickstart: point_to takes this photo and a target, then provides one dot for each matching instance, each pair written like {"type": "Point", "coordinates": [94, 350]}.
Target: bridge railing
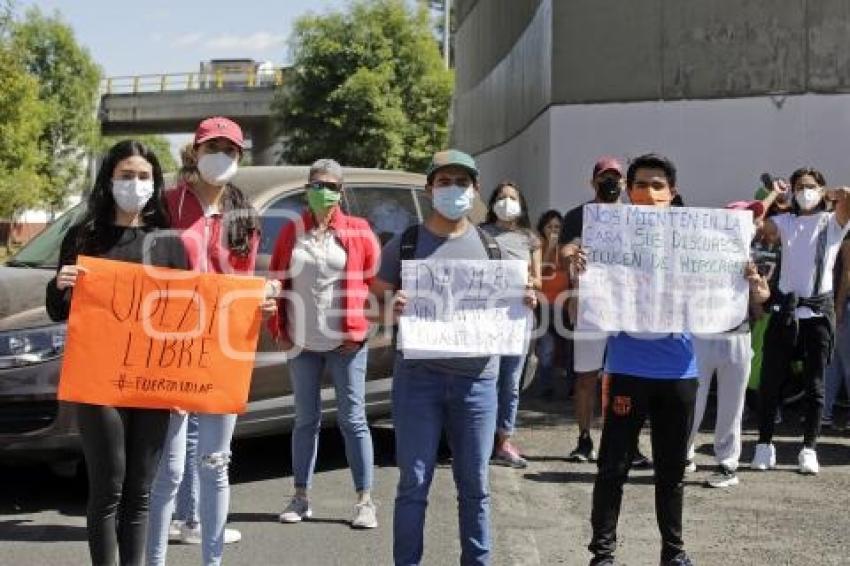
{"type": "Point", "coordinates": [172, 82]}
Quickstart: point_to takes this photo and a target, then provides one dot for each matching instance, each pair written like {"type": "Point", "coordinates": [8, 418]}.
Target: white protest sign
{"type": "Point", "coordinates": [664, 269]}
{"type": "Point", "coordinates": [464, 308]}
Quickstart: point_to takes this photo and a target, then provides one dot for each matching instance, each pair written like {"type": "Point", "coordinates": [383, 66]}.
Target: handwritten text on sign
{"type": "Point", "coordinates": [149, 337]}
{"type": "Point", "coordinates": [664, 269]}
{"type": "Point", "coordinates": [464, 308]}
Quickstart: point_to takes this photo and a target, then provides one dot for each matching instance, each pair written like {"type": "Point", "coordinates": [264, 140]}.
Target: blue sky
{"type": "Point", "coordinates": [174, 36]}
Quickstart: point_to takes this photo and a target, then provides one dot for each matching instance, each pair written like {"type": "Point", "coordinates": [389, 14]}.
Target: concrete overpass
{"type": "Point", "coordinates": [175, 103]}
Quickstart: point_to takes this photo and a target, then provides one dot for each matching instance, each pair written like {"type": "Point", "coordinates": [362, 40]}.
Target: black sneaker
{"type": "Point", "coordinates": [641, 462]}
{"type": "Point", "coordinates": [584, 451]}
{"type": "Point", "coordinates": [602, 560]}
{"type": "Point", "coordinates": [681, 559]}
{"type": "Point", "coordinates": [723, 477]}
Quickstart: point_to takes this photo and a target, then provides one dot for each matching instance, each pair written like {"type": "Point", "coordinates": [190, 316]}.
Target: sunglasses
{"type": "Point", "coordinates": [330, 185]}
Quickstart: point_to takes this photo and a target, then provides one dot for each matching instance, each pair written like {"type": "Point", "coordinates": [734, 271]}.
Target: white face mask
{"type": "Point", "coordinates": [808, 198]}
{"type": "Point", "coordinates": [217, 168]}
{"type": "Point", "coordinates": [131, 195]}
{"type": "Point", "coordinates": [454, 201]}
{"type": "Point", "coordinates": [507, 209]}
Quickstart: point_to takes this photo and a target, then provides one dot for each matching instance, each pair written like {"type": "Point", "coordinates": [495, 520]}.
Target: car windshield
{"type": "Point", "coordinates": [43, 250]}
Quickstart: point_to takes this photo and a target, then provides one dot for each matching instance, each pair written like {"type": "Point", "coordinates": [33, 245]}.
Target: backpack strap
{"type": "Point", "coordinates": [490, 245]}
{"type": "Point", "coordinates": [409, 239]}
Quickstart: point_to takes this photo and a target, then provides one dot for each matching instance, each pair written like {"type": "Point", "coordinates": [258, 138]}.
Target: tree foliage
{"type": "Point", "coordinates": [68, 82]}
{"type": "Point", "coordinates": [368, 88]}
{"type": "Point", "coordinates": [22, 118]}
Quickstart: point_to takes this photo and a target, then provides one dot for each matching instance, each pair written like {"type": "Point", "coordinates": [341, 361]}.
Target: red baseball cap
{"type": "Point", "coordinates": [219, 127]}
{"type": "Point", "coordinates": [607, 163]}
{"type": "Point", "coordinates": [755, 205]}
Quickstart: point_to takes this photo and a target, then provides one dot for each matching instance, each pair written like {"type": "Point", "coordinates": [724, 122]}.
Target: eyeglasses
{"type": "Point", "coordinates": [330, 185]}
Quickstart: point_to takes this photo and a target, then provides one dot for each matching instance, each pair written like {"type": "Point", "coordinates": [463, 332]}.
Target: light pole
{"type": "Point", "coordinates": [447, 20]}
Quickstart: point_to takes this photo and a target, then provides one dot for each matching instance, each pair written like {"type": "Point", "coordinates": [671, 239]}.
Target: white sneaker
{"type": "Point", "coordinates": [232, 536]}
{"type": "Point", "coordinates": [174, 530]}
{"type": "Point", "coordinates": [765, 457]}
{"type": "Point", "coordinates": [690, 467]}
{"type": "Point", "coordinates": [192, 535]}
{"type": "Point", "coordinates": [364, 516]}
{"type": "Point", "coordinates": [297, 510]}
{"type": "Point", "coordinates": [808, 460]}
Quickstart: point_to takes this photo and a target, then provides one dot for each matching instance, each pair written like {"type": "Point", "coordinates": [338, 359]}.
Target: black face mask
{"type": "Point", "coordinates": [608, 190]}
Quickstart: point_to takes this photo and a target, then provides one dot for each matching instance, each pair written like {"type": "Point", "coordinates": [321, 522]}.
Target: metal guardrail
{"type": "Point", "coordinates": [173, 82]}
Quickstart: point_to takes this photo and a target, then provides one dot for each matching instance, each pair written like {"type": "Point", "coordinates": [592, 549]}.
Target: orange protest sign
{"type": "Point", "coordinates": [140, 336]}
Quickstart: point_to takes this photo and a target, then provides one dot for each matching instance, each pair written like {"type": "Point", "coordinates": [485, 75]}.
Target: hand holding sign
{"type": "Point", "coordinates": [68, 275]}
{"type": "Point", "coordinates": [140, 336]}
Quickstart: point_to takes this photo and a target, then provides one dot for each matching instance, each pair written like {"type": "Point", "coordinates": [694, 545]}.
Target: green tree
{"type": "Point", "coordinates": [159, 144]}
{"type": "Point", "coordinates": [368, 88]}
{"type": "Point", "coordinates": [22, 118]}
{"type": "Point", "coordinates": [68, 82]}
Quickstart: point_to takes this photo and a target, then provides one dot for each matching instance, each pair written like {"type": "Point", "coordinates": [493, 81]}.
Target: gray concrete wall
{"type": "Point", "coordinates": [511, 93]}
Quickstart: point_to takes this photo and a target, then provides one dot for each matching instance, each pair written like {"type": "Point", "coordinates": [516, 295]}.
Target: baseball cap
{"type": "Point", "coordinates": [219, 127]}
{"type": "Point", "coordinates": [607, 163]}
{"type": "Point", "coordinates": [755, 205]}
{"type": "Point", "coordinates": [449, 157]}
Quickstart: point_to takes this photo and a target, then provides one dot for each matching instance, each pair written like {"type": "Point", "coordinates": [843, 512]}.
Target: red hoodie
{"type": "Point", "coordinates": [363, 252]}
{"type": "Point", "coordinates": [202, 235]}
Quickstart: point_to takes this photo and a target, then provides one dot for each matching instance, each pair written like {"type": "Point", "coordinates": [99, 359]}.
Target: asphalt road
{"type": "Point", "coordinates": [540, 514]}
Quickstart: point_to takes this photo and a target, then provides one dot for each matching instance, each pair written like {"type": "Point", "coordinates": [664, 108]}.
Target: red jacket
{"type": "Point", "coordinates": [202, 236]}
{"type": "Point", "coordinates": [363, 253]}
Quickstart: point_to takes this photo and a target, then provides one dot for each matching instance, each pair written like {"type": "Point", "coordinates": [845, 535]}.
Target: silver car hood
{"type": "Point", "coordinates": [22, 292]}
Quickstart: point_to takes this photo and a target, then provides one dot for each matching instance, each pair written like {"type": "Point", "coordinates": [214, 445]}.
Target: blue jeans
{"type": "Point", "coordinates": [423, 403]}
{"type": "Point", "coordinates": [838, 371]}
{"type": "Point", "coordinates": [510, 373]}
{"type": "Point", "coordinates": [186, 506]}
{"type": "Point", "coordinates": [213, 459]}
{"type": "Point", "coordinates": [348, 372]}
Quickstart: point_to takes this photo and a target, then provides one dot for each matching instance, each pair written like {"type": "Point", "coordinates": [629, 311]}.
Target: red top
{"type": "Point", "coordinates": [362, 259]}
{"type": "Point", "coordinates": [202, 235]}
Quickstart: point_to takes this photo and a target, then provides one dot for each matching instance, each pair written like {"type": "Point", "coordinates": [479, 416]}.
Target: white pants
{"type": "Point", "coordinates": [728, 355]}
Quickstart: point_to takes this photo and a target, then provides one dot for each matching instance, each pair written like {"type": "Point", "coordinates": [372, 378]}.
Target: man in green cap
{"type": "Point", "coordinates": [458, 394]}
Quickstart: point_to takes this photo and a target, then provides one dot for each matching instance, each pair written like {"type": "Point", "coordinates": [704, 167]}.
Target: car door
{"type": "Point", "coordinates": [389, 209]}
{"type": "Point", "coordinates": [270, 378]}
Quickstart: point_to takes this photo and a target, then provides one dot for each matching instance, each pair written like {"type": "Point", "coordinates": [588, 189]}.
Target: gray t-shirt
{"type": "Point", "coordinates": [429, 245]}
{"type": "Point", "coordinates": [516, 244]}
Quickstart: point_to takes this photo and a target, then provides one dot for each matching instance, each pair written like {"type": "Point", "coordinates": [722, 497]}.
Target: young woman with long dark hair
{"type": "Point", "coordinates": [122, 446]}
{"type": "Point", "coordinates": [507, 221]}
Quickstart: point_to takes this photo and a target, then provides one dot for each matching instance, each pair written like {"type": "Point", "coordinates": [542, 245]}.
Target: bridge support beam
{"type": "Point", "coordinates": [264, 148]}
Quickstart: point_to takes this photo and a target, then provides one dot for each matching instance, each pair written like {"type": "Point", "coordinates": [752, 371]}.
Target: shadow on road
{"type": "Point", "coordinates": [22, 531]}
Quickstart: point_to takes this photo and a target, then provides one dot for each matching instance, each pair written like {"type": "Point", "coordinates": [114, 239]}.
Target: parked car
{"type": "Point", "coordinates": [34, 426]}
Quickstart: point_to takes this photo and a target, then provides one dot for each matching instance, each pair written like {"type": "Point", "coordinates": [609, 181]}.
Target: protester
{"type": "Point", "coordinates": [326, 260]}
{"type": "Point", "coordinates": [651, 375]}
{"type": "Point", "coordinates": [220, 231]}
{"type": "Point", "coordinates": [838, 372]}
{"type": "Point", "coordinates": [456, 393]}
{"type": "Point", "coordinates": [805, 317]}
{"type": "Point", "coordinates": [554, 281]}
{"type": "Point", "coordinates": [122, 446]}
{"type": "Point", "coordinates": [727, 356]}
{"type": "Point", "coordinates": [507, 221]}
{"type": "Point", "coordinates": [185, 524]}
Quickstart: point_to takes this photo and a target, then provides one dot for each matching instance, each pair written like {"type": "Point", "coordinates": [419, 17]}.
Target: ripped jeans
{"type": "Point", "coordinates": [214, 434]}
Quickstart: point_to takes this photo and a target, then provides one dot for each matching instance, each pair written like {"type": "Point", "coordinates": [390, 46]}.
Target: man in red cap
{"type": "Point", "coordinates": [589, 348]}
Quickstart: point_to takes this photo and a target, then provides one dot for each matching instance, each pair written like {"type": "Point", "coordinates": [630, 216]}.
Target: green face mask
{"type": "Point", "coordinates": [319, 200]}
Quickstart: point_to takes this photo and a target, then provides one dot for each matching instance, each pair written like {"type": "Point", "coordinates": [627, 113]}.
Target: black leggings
{"type": "Point", "coordinates": [813, 342]}
{"type": "Point", "coordinates": [122, 449]}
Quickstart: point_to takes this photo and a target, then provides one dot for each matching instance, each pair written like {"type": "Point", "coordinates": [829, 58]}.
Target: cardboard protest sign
{"type": "Point", "coordinates": [664, 269]}
{"type": "Point", "coordinates": [147, 337]}
{"type": "Point", "coordinates": [464, 308]}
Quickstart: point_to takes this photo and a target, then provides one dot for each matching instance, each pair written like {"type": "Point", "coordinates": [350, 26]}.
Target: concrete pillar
{"type": "Point", "coordinates": [264, 149]}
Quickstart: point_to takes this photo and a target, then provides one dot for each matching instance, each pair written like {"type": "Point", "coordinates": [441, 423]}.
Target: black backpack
{"type": "Point", "coordinates": [410, 237]}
